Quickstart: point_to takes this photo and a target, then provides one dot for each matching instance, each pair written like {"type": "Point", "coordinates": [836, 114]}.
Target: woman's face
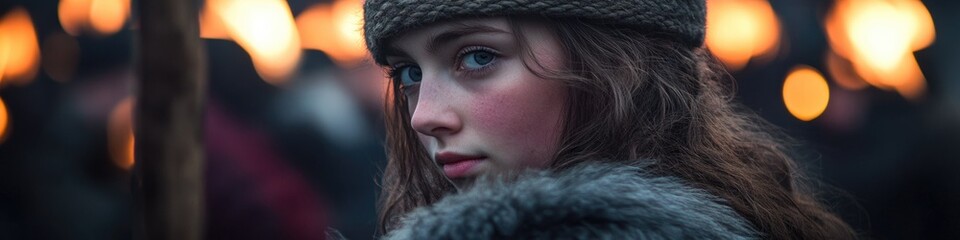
{"type": "Point", "coordinates": [475, 106]}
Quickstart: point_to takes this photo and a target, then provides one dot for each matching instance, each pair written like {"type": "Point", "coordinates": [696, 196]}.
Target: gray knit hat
{"type": "Point", "coordinates": [682, 19]}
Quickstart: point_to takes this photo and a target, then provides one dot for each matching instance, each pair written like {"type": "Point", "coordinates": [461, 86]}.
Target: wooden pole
{"type": "Point", "coordinates": [169, 144]}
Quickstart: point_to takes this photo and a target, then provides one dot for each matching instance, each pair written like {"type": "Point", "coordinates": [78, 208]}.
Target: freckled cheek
{"type": "Point", "coordinates": [520, 123]}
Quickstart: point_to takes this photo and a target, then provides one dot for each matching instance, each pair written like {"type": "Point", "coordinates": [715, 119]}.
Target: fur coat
{"type": "Point", "coordinates": [590, 201]}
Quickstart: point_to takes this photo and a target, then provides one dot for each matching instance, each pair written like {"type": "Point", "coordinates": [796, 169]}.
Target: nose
{"type": "Point", "coordinates": [434, 112]}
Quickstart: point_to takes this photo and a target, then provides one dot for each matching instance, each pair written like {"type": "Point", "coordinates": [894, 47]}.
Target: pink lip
{"type": "Point", "coordinates": [457, 165]}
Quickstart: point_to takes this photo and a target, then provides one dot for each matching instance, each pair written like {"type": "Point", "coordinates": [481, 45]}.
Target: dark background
{"type": "Point", "coordinates": [288, 161]}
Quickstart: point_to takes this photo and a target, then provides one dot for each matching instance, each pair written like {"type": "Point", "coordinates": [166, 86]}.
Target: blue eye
{"type": "Point", "coordinates": [408, 75]}
{"type": "Point", "coordinates": [477, 59]}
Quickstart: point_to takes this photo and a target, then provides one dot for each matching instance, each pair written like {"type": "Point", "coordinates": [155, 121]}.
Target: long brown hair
{"type": "Point", "coordinates": [634, 95]}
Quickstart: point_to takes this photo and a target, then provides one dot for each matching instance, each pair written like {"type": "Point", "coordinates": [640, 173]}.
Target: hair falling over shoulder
{"type": "Point", "coordinates": [635, 95]}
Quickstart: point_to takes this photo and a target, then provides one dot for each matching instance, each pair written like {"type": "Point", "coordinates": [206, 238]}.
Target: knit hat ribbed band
{"type": "Point", "coordinates": [683, 19]}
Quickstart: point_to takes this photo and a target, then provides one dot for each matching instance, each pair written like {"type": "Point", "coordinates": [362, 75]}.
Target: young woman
{"type": "Point", "coordinates": [574, 119]}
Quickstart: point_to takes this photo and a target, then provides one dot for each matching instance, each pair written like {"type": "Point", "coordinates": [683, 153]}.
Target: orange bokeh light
{"type": "Point", "coordinates": [19, 49]}
{"type": "Point", "coordinates": [879, 38]}
{"type": "Point", "coordinates": [120, 138]}
{"type": "Point", "coordinates": [211, 26]}
{"type": "Point", "coordinates": [336, 30]}
{"type": "Point", "coordinates": [4, 51]}
{"type": "Point", "coordinates": [842, 73]}
{"type": "Point", "coordinates": [805, 93]}
{"type": "Point", "coordinates": [740, 30]}
{"type": "Point", "coordinates": [4, 119]}
{"type": "Point", "coordinates": [73, 15]}
{"type": "Point", "coordinates": [102, 17]}
{"type": "Point", "coordinates": [265, 29]}
{"type": "Point", "coordinates": [109, 16]}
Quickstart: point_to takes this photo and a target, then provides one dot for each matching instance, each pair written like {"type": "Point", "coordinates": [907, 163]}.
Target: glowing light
{"type": "Point", "coordinates": [19, 50]}
{"type": "Point", "coordinates": [805, 93]}
{"type": "Point", "coordinates": [131, 145]}
{"type": "Point", "coordinates": [211, 26]}
{"type": "Point", "coordinates": [73, 15]}
{"type": "Point", "coordinates": [266, 30]}
{"type": "Point", "coordinates": [120, 137]}
{"type": "Point", "coordinates": [4, 51]}
{"type": "Point", "coordinates": [740, 30]}
{"type": "Point", "coordinates": [4, 119]}
{"type": "Point", "coordinates": [336, 30]}
{"type": "Point", "coordinates": [879, 38]}
{"type": "Point", "coordinates": [842, 73]}
{"type": "Point", "coordinates": [109, 16]}
{"type": "Point", "coordinates": [102, 17]}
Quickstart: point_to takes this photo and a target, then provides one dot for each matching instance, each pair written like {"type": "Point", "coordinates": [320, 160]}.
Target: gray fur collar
{"type": "Point", "coordinates": [591, 201]}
